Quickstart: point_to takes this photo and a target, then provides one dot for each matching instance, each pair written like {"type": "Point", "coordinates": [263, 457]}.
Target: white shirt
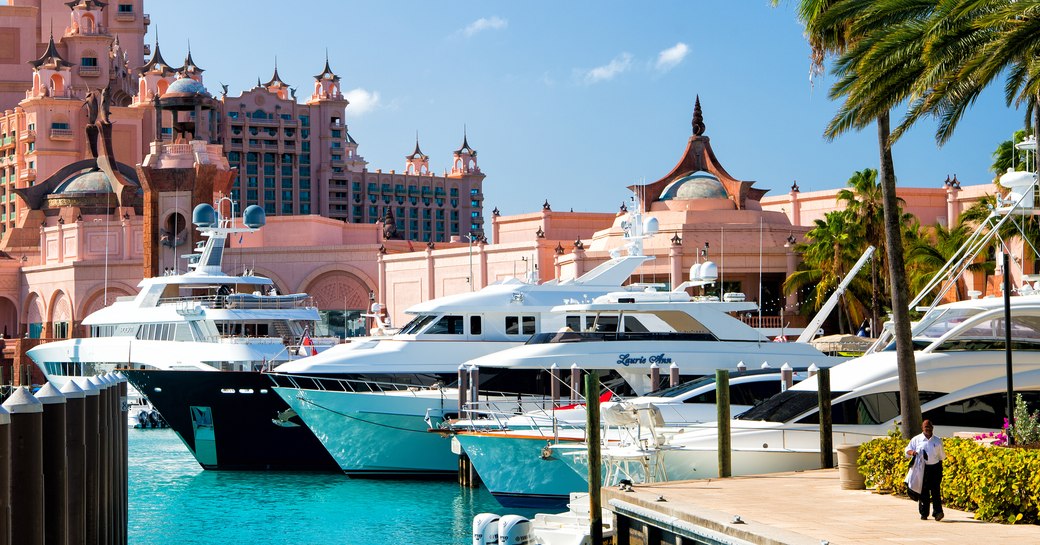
{"type": "Point", "coordinates": [931, 450]}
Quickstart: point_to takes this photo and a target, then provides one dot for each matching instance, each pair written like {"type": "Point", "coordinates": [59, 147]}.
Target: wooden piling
{"type": "Point", "coordinates": [55, 465]}
{"type": "Point", "coordinates": [592, 439]}
{"type": "Point", "coordinates": [722, 407]}
{"type": "Point", "coordinates": [75, 422]}
{"type": "Point", "coordinates": [673, 375]}
{"type": "Point", "coordinates": [575, 383]}
{"type": "Point", "coordinates": [104, 460]}
{"type": "Point", "coordinates": [124, 460]}
{"type": "Point", "coordinates": [90, 435]}
{"type": "Point", "coordinates": [786, 377]}
{"type": "Point", "coordinates": [27, 513]}
{"type": "Point", "coordinates": [823, 378]}
{"type": "Point", "coordinates": [5, 477]}
{"type": "Point", "coordinates": [655, 377]}
{"type": "Point", "coordinates": [463, 390]}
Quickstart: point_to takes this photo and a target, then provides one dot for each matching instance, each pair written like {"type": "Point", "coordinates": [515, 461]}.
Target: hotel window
{"type": "Point", "coordinates": [287, 208]}
{"type": "Point", "coordinates": [305, 208]}
{"type": "Point", "coordinates": [454, 192]}
{"type": "Point", "coordinates": [251, 196]}
{"type": "Point", "coordinates": [474, 191]}
{"type": "Point", "coordinates": [474, 226]}
{"type": "Point", "coordinates": [268, 195]}
{"type": "Point", "coordinates": [233, 115]}
{"type": "Point", "coordinates": [356, 186]}
{"type": "Point", "coordinates": [286, 183]}
{"type": "Point", "coordinates": [88, 61]}
{"type": "Point", "coordinates": [268, 157]}
{"type": "Point", "coordinates": [474, 214]}
{"type": "Point", "coordinates": [236, 141]}
{"type": "Point", "coordinates": [373, 211]}
{"type": "Point", "coordinates": [269, 183]}
{"type": "Point", "coordinates": [126, 8]}
{"type": "Point", "coordinates": [305, 120]}
{"type": "Point", "coordinates": [286, 195]}
{"type": "Point", "coordinates": [252, 181]}
{"type": "Point", "coordinates": [59, 125]}
{"type": "Point", "coordinates": [234, 156]}
{"type": "Point", "coordinates": [287, 170]}
{"type": "Point", "coordinates": [30, 147]}
{"type": "Point", "coordinates": [305, 183]}
{"type": "Point", "coordinates": [474, 203]}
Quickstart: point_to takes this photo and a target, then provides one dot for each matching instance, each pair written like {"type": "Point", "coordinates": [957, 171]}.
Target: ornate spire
{"type": "Point", "coordinates": [51, 57]}
{"type": "Point", "coordinates": [190, 68]}
{"type": "Point", "coordinates": [698, 119]}
{"type": "Point", "coordinates": [465, 144]}
{"type": "Point", "coordinates": [417, 154]}
{"type": "Point", "coordinates": [327, 73]}
{"type": "Point", "coordinates": [275, 80]}
{"type": "Point", "coordinates": [156, 63]}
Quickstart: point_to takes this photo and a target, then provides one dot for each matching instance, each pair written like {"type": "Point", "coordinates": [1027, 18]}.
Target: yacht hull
{"type": "Point", "coordinates": [515, 472]}
{"type": "Point", "coordinates": [228, 420]}
{"type": "Point", "coordinates": [379, 435]}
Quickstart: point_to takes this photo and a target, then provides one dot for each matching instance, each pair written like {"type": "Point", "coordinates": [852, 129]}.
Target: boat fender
{"type": "Point", "coordinates": [514, 530]}
{"type": "Point", "coordinates": [485, 529]}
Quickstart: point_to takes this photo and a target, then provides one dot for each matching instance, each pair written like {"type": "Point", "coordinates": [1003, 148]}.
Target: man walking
{"type": "Point", "coordinates": [930, 449]}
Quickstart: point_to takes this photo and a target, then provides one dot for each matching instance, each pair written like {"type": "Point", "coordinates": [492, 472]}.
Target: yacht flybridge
{"type": "Point", "coordinates": [201, 320]}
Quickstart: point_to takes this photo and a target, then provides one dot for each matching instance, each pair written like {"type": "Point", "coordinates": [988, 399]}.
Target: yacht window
{"type": "Point", "coordinates": [417, 324]}
{"type": "Point", "coordinates": [978, 412]}
{"type": "Point", "coordinates": [182, 332]}
{"type": "Point", "coordinates": [867, 409]}
{"type": "Point", "coordinates": [474, 325]}
{"type": "Point", "coordinates": [989, 335]}
{"type": "Point", "coordinates": [519, 325]}
{"type": "Point", "coordinates": [939, 322]}
{"type": "Point", "coordinates": [573, 323]}
{"type": "Point", "coordinates": [745, 393]}
{"type": "Point", "coordinates": [447, 325]}
{"type": "Point", "coordinates": [633, 325]}
{"type": "Point", "coordinates": [604, 324]}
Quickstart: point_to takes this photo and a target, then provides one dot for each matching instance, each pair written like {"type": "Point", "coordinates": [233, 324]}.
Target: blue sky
{"type": "Point", "coordinates": [569, 101]}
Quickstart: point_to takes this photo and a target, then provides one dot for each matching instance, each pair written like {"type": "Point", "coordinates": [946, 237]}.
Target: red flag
{"type": "Point", "coordinates": [307, 346]}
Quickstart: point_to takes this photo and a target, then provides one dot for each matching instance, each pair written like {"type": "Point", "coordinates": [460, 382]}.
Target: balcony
{"type": "Point", "coordinates": [61, 134]}
{"type": "Point", "coordinates": [28, 135]}
{"type": "Point", "coordinates": [27, 174]}
{"type": "Point", "coordinates": [126, 16]}
{"type": "Point", "coordinates": [147, 48]}
{"type": "Point", "coordinates": [7, 141]}
{"type": "Point", "coordinates": [147, 21]}
{"type": "Point", "coordinates": [89, 71]}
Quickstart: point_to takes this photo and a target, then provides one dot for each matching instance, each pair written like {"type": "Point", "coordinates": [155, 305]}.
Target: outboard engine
{"type": "Point", "coordinates": [514, 530]}
{"type": "Point", "coordinates": [485, 529]}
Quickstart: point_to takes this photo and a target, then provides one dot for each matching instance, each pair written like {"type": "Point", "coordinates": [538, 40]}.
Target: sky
{"type": "Point", "coordinates": [573, 101]}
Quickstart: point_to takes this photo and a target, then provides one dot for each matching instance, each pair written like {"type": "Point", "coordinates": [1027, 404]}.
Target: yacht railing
{"type": "Point", "coordinates": [240, 301]}
{"type": "Point", "coordinates": [613, 336]}
{"type": "Point", "coordinates": [332, 384]}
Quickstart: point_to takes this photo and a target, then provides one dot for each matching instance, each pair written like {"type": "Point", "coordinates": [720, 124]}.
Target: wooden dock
{"type": "Point", "coordinates": [799, 508]}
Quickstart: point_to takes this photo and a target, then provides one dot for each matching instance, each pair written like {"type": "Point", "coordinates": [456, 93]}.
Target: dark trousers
{"type": "Point", "coordinates": [930, 493]}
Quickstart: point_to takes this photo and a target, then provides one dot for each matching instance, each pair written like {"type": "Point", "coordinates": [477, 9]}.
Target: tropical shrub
{"type": "Point", "coordinates": [997, 484]}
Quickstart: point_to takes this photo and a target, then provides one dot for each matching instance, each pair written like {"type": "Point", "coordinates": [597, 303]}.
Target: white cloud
{"type": "Point", "coordinates": [608, 71]}
{"type": "Point", "coordinates": [362, 101]}
{"type": "Point", "coordinates": [485, 23]}
{"type": "Point", "coordinates": [671, 57]}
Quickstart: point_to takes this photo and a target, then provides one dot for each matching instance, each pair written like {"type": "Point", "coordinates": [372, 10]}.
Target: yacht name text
{"type": "Point", "coordinates": [629, 359]}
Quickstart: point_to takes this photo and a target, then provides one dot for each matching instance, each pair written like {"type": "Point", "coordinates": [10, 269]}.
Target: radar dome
{"type": "Point", "coordinates": [254, 217]}
{"type": "Point", "coordinates": [203, 215]}
{"type": "Point", "coordinates": [650, 226]}
{"type": "Point", "coordinates": [695, 272]}
{"type": "Point", "coordinates": [186, 86]}
{"type": "Point", "coordinates": [695, 185]}
{"type": "Point", "coordinates": [709, 271]}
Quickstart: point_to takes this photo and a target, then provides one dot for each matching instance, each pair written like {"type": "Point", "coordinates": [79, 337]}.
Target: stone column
{"type": "Point", "coordinates": [675, 253]}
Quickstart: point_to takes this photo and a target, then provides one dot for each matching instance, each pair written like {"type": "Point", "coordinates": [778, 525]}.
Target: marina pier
{"type": "Point", "coordinates": [794, 508]}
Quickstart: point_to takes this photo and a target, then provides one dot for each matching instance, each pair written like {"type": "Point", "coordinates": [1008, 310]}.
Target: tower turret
{"type": "Point", "coordinates": [464, 159]}
{"type": "Point", "coordinates": [52, 74]}
{"type": "Point", "coordinates": [417, 162]}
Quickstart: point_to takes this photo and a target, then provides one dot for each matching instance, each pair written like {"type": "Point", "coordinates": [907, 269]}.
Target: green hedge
{"type": "Point", "coordinates": [997, 484]}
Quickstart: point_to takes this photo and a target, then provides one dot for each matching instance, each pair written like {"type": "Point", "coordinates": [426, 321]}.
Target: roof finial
{"type": "Point", "coordinates": [698, 119]}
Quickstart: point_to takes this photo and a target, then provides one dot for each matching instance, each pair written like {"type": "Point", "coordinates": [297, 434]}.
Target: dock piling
{"type": "Point", "coordinates": [593, 439]}
{"type": "Point", "coordinates": [55, 465]}
{"type": "Point", "coordinates": [90, 435]}
{"type": "Point", "coordinates": [27, 513]}
{"type": "Point", "coordinates": [75, 422]}
{"type": "Point", "coordinates": [722, 406]}
{"type": "Point", "coordinates": [826, 423]}
{"type": "Point", "coordinates": [5, 477]}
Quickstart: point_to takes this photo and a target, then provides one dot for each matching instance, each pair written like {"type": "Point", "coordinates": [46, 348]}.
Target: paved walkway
{"type": "Point", "coordinates": [810, 507]}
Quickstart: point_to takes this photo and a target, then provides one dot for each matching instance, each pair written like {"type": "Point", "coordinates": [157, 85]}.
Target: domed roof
{"type": "Point", "coordinates": [91, 181]}
{"type": "Point", "coordinates": [187, 86]}
{"type": "Point", "coordinates": [695, 185]}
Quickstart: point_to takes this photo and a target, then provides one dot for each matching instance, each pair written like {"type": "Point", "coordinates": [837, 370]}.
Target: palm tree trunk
{"type": "Point", "coordinates": [909, 401]}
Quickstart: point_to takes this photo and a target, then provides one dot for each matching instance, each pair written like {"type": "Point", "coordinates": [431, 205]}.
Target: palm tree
{"type": "Point", "coordinates": [835, 243]}
{"type": "Point", "coordinates": [835, 27]}
{"type": "Point", "coordinates": [864, 201]}
{"type": "Point", "coordinates": [927, 255]}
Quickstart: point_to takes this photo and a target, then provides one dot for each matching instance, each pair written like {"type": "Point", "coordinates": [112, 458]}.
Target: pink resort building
{"type": "Point", "coordinates": [104, 154]}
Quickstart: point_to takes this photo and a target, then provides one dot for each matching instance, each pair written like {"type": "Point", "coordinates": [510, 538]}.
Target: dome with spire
{"type": "Point", "coordinates": [85, 183]}
{"type": "Point", "coordinates": [694, 185]}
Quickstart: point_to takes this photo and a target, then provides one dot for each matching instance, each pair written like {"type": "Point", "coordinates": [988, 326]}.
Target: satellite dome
{"type": "Point", "coordinates": [203, 215]}
{"type": "Point", "coordinates": [254, 217]}
{"type": "Point", "coordinates": [187, 86]}
{"type": "Point", "coordinates": [695, 185]}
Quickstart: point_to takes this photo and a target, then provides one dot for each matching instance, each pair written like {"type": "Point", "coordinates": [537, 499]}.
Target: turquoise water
{"type": "Point", "coordinates": [173, 501]}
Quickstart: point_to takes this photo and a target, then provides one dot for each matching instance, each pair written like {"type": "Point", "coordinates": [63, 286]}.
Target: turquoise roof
{"type": "Point", "coordinates": [91, 181]}
{"type": "Point", "coordinates": [187, 86]}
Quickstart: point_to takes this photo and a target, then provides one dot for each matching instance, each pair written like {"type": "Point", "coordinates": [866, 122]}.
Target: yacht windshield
{"type": "Point", "coordinates": [417, 323]}
{"type": "Point", "coordinates": [990, 334]}
{"type": "Point", "coordinates": [938, 322]}
{"type": "Point", "coordinates": [784, 406]}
